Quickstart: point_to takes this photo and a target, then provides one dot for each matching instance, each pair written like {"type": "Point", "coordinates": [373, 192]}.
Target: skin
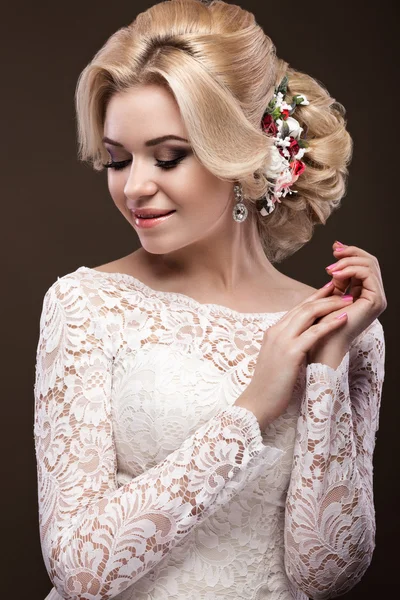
{"type": "Point", "coordinates": [201, 248]}
{"type": "Point", "coordinates": [201, 251]}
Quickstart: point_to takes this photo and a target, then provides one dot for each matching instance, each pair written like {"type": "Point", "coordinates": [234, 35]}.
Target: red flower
{"type": "Point", "coordinates": [294, 147]}
{"type": "Point", "coordinates": [269, 125]}
{"type": "Point", "coordinates": [285, 114]}
{"type": "Point", "coordinates": [297, 167]}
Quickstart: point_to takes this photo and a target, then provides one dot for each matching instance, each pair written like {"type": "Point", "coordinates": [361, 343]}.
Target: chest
{"type": "Point", "coordinates": [172, 373]}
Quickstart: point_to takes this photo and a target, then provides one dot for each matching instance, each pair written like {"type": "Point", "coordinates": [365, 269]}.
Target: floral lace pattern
{"type": "Point", "coordinates": [153, 484]}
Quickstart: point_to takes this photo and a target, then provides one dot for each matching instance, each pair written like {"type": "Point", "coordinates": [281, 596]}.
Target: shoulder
{"type": "Point", "coordinates": [296, 291]}
{"type": "Point", "coordinates": [131, 264]}
{"type": "Point", "coordinates": [75, 307]}
{"type": "Point", "coordinates": [64, 285]}
{"type": "Point", "coordinates": [303, 290]}
{"type": "Point", "coordinates": [72, 296]}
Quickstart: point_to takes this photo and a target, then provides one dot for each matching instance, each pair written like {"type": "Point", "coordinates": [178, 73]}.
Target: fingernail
{"type": "Point", "coordinates": [341, 316]}
{"type": "Point", "coordinates": [328, 284]}
{"type": "Point", "coordinates": [330, 266]}
{"type": "Point", "coordinates": [340, 243]}
{"type": "Point", "coordinates": [347, 297]}
{"type": "Point", "coordinates": [339, 248]}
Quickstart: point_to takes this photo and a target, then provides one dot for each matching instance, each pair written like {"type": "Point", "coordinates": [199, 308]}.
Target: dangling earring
{"type": "Point", "coordinates": [240, 211]}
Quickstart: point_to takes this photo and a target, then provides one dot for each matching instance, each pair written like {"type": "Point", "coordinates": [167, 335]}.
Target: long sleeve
{"type": "Point", "coordinates": [330, 515]}
{"type": "Point", "coordinates": [97, 538]}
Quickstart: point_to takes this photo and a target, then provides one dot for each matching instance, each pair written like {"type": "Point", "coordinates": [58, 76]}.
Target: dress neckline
{"type": "Point", "coordinates": [182, 298]}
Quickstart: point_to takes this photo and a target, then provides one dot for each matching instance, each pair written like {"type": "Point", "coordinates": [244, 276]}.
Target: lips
{"type": "Point", "coordinates": [151, 212]}
{"type": "Point", "coordinates": [149, 222]}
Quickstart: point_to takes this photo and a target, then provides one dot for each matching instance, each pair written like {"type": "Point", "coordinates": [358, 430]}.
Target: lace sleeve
{"type": "Point", "coordinates": [330, 515]}
{"type": "Point", "coordinates": [97, 539]}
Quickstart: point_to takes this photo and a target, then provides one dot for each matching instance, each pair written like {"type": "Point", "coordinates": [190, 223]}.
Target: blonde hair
{"type": "Point", "coordinates": [222, 69]}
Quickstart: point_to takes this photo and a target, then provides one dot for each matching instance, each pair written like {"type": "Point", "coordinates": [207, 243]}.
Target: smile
{"type": "Point", "coordinates": [146, 223]}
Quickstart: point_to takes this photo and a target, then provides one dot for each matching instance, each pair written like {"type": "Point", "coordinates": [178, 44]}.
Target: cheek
{"type": "Point", "coordinates": [199, 191]}
{"type": "Point", "coordinates": [192, 188]}
{"type": "Point", "coordinates": [116, 184]}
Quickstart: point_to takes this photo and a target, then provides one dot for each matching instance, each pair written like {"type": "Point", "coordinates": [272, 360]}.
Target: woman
{"type": "Point", "coordinates": [205, 425]}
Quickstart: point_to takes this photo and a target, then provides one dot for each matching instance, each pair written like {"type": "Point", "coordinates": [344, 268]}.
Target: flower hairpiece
{"type": "Point", "coordinates": [288, 149]}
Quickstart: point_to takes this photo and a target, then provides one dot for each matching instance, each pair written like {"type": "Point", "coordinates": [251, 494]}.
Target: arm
{"type": "Point", "coordinates": [98, 539]}
{"type": "Point", "coordinates": [330, 515]}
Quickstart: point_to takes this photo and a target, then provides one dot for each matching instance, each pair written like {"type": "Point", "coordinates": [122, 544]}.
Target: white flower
{"type": "Point", "coordinates": [277, 164]}
{"type": "Point", "coordinates": [278, 99]}
{"type": "Point", "coordinates": [300, 153]}
{"type": "Point", "coordinates": [294, 127]}
{"type": "Point", "coordinates": [303, 99]}
{"type": "Point", "coordinates": [283, 142]}
{"type": "Point", "coordinates": [286, 106]}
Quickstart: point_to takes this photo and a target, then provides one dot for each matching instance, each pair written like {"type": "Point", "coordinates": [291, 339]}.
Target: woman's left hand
{"type": "Point", "coordinates": [359, 273]}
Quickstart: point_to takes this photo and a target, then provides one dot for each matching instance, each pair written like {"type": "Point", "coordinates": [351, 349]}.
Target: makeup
{"type": "Point", "coordinates": [147, 223]}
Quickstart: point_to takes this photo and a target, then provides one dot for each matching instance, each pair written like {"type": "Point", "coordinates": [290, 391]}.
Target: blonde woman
{"type": "Point", "coordinates": [205, 425]}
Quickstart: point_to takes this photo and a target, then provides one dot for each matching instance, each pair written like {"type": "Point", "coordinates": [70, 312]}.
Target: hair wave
{"type": "Point", "coordinates": [222, 69]}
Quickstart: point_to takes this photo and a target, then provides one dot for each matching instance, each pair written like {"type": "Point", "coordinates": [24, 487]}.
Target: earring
{"type": "Point", "coordinates": [240, 211]}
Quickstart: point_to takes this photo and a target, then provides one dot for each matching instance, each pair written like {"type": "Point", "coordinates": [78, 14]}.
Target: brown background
{"type": "Point", "coordinates": [57, 215]}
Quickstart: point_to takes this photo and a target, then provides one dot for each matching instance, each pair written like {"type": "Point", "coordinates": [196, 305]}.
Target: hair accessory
{"type": "Point", "coordinates": [288, 149]}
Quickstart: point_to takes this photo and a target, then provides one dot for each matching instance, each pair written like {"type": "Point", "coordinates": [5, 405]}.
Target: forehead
{"type": "Point", "coordinates": [145, 111]}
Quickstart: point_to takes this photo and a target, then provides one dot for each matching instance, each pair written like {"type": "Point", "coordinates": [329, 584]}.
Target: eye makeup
{"type": "Point", "coordinates": [178, 155]}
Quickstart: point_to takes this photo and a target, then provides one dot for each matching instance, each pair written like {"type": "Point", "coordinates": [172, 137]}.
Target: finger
{"type": "Point", "coordinates": [352, 251]}
{"type": "Point", "coordinates": [309, 338]}
{"type": "Point", "coordinates": [365, 284]}
{"type": "Point", "coordinates": [348, 261]}
{"type": "Point", "coordinates": [322, 292]}
{"type": "Point", "coordinates": [342, 286]}
{"type": "Point", "coordinates": [306, 314]}
{"type": "Point", "coordinates": [368, 278]}
{"type": "Point", "coordinates": [354, 288]}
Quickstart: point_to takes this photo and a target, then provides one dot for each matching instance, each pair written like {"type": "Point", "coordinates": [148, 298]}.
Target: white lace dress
{"type": "Point", "coordinates": [152, 485]}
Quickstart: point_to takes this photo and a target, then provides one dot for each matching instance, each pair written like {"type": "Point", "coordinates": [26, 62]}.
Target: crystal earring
{"type": "Point", "coordinates": [240, 211]}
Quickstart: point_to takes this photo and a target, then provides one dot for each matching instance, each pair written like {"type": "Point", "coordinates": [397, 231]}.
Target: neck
{"type": "Point", "coordinates": [223, 262]}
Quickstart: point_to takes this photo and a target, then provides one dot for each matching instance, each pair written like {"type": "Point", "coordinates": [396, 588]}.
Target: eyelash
{"type": "Point", "coordinates": [163, 164]}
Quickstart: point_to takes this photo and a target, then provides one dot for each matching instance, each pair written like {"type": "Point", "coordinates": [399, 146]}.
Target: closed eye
{"type": "Point", "coordinates": [162, 164]}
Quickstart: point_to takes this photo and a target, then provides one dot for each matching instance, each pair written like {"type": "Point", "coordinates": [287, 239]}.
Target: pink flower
{"type": "Point", "coordinates": [297, 168]}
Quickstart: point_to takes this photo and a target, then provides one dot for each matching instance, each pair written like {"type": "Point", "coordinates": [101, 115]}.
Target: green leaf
{"type": "Point", "coordinates": [298, 99]}
{"type": "Point", "coordinates": [276, 113]}
{"type": "Point", "coordinates": [302, 143]}
{"type": "Point", "coordinates": [285, 129]}
{"type": "Point", "coordinates": [282, 87]}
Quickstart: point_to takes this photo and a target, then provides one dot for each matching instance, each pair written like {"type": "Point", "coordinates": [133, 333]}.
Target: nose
{"type": "Point", "coordinates": [140, 181]}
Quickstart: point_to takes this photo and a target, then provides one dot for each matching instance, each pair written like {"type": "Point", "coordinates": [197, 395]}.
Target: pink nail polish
{"type": "Point", "coordinates": [328, 284]}
{"type": "Point", "coordinates": [341, 316]}
{"type": "Point", "coordinates": [332, 265]}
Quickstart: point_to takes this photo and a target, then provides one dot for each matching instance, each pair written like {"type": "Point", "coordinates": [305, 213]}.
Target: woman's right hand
{"type": "Point", "coordinates": [283, 351]}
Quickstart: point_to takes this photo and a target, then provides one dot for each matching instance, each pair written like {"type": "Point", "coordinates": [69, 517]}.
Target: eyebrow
{"type": "Point", "coordinates": [152, 142]}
